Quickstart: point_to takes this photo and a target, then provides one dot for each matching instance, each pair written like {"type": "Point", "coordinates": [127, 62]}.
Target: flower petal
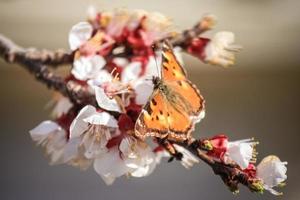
{"type": "Point", "coordinates": [102, 118]}
{"type": "Point", "coordinates": [143, 90]}
{"type": "Point", "coordinates": [105, 102]}
{"type": "Point", "coordinates": [42, 131]}
{"type": "Point", "coordinates": [241, 153]}
{"type": "Point", "coordinates": [110, 166]}
{"type": "Point", "coordinates": [78, 126]}
{"type": "Point", "coordinates": [272, 171]}
{"type": "Point", "coordinates": [220, 50]}
{"type": "Point", "coordinates": [79, 34]}
{"type": "Point", "coordinates": [131, 72]}
{"type": "Point", "coordinates": [88, 67]}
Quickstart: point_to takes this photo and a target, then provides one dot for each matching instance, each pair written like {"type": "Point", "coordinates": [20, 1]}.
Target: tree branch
{"type": "Point", "coordinates": [231, 174]}
{"type": "Point", "coordinates": [13, 53]}
{"type": "Point", "coordinates": [46, 57]}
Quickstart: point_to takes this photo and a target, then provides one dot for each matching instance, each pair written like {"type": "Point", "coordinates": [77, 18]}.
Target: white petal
{"type": "Point", "coordinates": [220, 50]}
{"type": "Point", "coordinates": [108, 179]}
{"type": "Point", "coordinates": [142, 171]}
{"type": "Point", "coordinates": [88, 67]}
{"type": "Point", "coordinates": [272, 171]}
{"type": "Point", "coordinates": [79, 34]}
{"type": "Point", "coordinates": [62, 106]}
{"type": "Point", "coordinates": [241, 153]}
{"type": "Point", "coordinates": [126, 146]}
{"type": "Point", "coordinates": [121, 62]}
{"type": "Point", "coordinates": [152, 69]}
{"type": "Point", "coordinates": [188, 159]}
{"type": "Point", "coordinates": [105, 102]}
{"type": "Point", "coordinates": [161, 154]}
{"type": "Point", "coordinates": [118, 22]}
{"type": "Point", "coordinates": [110, 165]}
{"type": "Point", "coordinates": [78, 126]}
{"type": "Point", "coordinates": [71, 149]}
{"type": "Point", "coordinates": [103, 76]}
{"type": "Point", "coordinates": [143, 90]}
{"type": "Point", "coordinates": [102, 118]}
{"type": "Point", "coordinates": [42, 131]}
{"type": "Point", "coordinates": [131, 72]}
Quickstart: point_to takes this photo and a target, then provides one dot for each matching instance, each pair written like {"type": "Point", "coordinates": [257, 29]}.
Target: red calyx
{"type": "Point", "coordinates": [197, 46]}
{"type": "Point", "coordinates": [219, 144]}
{"type": "Point", "coordinates": [125, 123]}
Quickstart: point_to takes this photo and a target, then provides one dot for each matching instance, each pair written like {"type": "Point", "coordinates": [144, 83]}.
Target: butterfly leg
{"type": "Point", "coordinates": [170, 148]}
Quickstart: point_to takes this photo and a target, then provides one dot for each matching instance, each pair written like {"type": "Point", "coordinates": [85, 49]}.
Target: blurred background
{"type": "Point", "coordinates": [258, 97]}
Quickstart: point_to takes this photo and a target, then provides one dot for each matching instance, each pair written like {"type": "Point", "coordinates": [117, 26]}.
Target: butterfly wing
{"type": "Point", "coordinates": [151, 122]}
{"type": "Point", "coordinates": [190, 95]}
{"type": "Point", "coordinates": [160, 119]}
{"type": "Point", "coordinates": [167, 115]}
{"type": "Point", "coordinates": [171, 69]}
{"type": "Point", "coordinates": [174, 75]}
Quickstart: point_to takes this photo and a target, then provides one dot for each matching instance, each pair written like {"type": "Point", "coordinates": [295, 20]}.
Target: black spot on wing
{"type": "Point", "coordinates": [148, 108]}
{"type": "Point", "coordinates": [166, 68]}
{"type": "Point", "coordinates": [154, 102]}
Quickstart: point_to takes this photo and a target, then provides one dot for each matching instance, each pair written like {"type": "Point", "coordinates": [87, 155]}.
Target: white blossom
{"type": "Point", "coordinates": [53, 138]}
{"type": "Point", "coordinates": [188, 159]}
{"type": "Point", "coordinates": [132, 157]}
{"type": "Point", "coordinates": [106, 102]}
{"type": "Point", "coordinates": [61, 105]}
{"type": "Point", "coordinates": [103, 76]}
{"type": "Point", "coordinates": [156, 26]}
{"type": "Point", "coordinates": [118, 21]}
{"type": "Point", "coordinates": [96, 128]}
{"type": "Point", "coordinates": [138, 156]}
{"type": "Point", "coordinates": [79, 34]}
{"type": "Point", "coordinates": [241, 152]}
{"type": "Point", "coordinates": [111, 166]}
{"type": "Point", "coordinates": [272, 172]}
{"type": "Point", "coordinates": [88, 67]}
{"type": "Point", "coordinates": [220, 50]}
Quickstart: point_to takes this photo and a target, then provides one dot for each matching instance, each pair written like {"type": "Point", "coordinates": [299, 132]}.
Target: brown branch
{"type": "Point", "coordinates": [184, 39]}
{"type": "Point", "coordinates": [46, 57]}
{"type": "Point", "coordinates": [13, 53]}
{"type": "Point", "coordinates": [50, 58]}
{"type": "Point", "coordinates": [231, 174]}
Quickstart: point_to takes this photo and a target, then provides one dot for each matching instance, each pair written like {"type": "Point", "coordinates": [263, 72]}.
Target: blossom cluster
{"type": "Point", "coordinates": [269, 173]}
{"type": "Point", "coordinates": [113, 58]}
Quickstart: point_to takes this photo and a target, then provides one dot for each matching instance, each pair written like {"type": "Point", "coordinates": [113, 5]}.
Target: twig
{"type": "Point", "coordinates": [231, 174]}
{"type": "Point", "coordinates": [13, 53]}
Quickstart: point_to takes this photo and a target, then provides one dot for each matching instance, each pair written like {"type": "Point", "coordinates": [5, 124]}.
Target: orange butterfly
{"type": "Point", "coordinates": [174, 106]}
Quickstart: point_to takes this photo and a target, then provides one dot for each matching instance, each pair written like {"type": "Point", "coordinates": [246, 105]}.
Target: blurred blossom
{"type": "Point", "coordinates": [79, 34]}
{"type": "Point", "coordinates": [220, 50]}
{"type": "Point", "coordinates": [272, 172]}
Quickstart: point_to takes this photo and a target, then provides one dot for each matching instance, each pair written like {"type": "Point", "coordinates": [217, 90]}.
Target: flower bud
{"type": "Point", "coordinates": [257, 186]}
{"type": "Point", "coordinates": [208, 22]}
{"type": "Point", "coordinates": [206, 144]}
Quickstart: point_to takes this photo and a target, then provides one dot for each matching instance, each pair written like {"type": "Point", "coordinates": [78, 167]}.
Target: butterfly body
{"type": "Point", "coordinates": [174, 106]}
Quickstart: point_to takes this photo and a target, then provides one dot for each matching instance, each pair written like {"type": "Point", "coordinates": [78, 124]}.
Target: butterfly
{"type": "Point", "coordinates": [174, 106]}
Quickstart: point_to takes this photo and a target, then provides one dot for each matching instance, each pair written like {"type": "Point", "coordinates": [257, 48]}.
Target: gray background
{"type": "Point", "coordinates": [257, 97]}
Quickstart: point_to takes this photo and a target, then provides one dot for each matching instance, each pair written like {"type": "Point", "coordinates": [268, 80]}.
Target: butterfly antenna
{"type": "Point", "coordinates": [154, 53]}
